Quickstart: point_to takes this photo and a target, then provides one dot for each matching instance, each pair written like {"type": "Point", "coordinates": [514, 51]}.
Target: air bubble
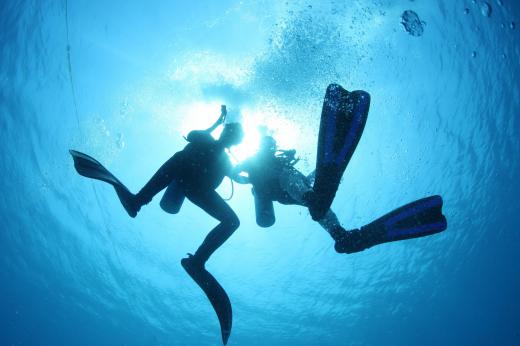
{"type": "Point", "coordinates": [474, 54]}
{"type": "Point", "coordinates": [411, 23]}
{"type": "Point", "coordinates": [120, 141]}
{"type": "Point", "coordinates": [512, 25]}
{"type": "Point", "coordinates": [486, 10]}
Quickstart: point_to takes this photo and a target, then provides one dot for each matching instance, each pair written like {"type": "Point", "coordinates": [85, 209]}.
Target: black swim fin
{"type": "Point", "coordinates": [89, 167]}
{"type": "Point", "coordinates": [343, 118]}
{"type": "Point", "coordinates": [215, 293]}
{"type": "Point", "coordinates": [417, 219]}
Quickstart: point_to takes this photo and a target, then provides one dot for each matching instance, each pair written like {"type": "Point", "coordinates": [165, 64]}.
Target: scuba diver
{"type": "Point", "coordinates": [274, 178]}
{"type": "Point", "coordinates": [194, 172]}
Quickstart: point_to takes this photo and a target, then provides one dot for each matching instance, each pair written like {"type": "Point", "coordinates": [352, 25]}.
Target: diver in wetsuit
{"type": "Point", "coordinates": [194, 172]}
{"type": "Point", "coordinates": [197, 170]}
{"type": "Point", "coordinates": [274, 178]}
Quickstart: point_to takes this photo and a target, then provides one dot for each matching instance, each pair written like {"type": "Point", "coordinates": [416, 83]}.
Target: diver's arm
{"type": "Point", "coordinates": [289, 156]}
{"type": "Point", "coordinates": [203, 135]}
{"type": "Point", "coordinates": [236, 176]}
{"type": "Point", "coordinates": [241, 179]}
{"type": "Point", "coordinates": [220, 120]}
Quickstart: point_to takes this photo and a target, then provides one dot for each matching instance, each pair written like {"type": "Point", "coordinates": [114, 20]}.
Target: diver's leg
{"type": "Point", "coordinates": [160, 180]}
{"type": "Point", "coordinates": [214, 205]}
{"type": "Point", "coordinates": [311, 177]}
{"type": "Point", "coordinates": [330, 222]}
{"type": "Point", "coordinates": [294, 183]}
{"type": "Point", "coordinates": [297, 185]}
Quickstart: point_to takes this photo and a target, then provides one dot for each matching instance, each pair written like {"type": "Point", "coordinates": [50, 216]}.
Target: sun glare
{"type": "Point", "coordinates": [199, 116]}
{"type": "Point", "coordinates": [255, 122]}
{"type": "Point", "coordinates": [259, 122]}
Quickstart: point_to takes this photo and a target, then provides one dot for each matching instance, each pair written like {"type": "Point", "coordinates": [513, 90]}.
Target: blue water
{"type": "Point", "coordinates": [444, 119]}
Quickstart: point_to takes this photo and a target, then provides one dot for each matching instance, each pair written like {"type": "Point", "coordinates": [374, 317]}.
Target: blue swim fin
{"type": "Point", "coordinates": [215, 293]}
{"type": "Point", "coordinates": [89, 167]}
{"type": "Point", "coordinates": [343, 118]}
{"type": "Point", "coordinates": [417, 219]}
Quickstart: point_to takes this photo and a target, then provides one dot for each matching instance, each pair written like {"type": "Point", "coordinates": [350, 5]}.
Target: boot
{"type": "Point", "coordinates": [349, 241]}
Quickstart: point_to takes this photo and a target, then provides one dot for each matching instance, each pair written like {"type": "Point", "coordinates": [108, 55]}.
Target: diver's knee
{"type": "Point", "coordinates": [233, 222]}
{"type": "Point", "coordinates": [142, 198]}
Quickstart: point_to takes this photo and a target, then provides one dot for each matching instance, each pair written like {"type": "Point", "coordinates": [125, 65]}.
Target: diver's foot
{"type": "Point", "coordinates": [192, 264]}
{"type": "Point", "coordinates": [349, 241]}
{"type": "Point", "coordinates": [128, 200]}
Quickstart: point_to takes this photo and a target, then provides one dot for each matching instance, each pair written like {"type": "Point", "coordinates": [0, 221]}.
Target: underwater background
{"type": "Point", "coordinates": [124, 80]}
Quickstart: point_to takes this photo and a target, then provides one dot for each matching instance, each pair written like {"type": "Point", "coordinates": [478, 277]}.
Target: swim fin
{"type": "Point", "coordinates": [343, 118]}
{"type": "Point", "coordinates": [215, 293]}
{"type": "Point", "coordinates": [417, 219]}
{"type": "Point", "coordinates": [89, 167]}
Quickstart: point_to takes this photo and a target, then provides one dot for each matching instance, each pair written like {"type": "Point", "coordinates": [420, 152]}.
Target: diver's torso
{"type": "Point", "coordinates": [204, 165]}
{"type": "Point", "coordinates": [264, 175]}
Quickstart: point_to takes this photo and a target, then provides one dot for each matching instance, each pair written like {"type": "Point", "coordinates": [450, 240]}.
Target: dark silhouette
{"type": "Point", "coordinates": [274, 178]}
{"type": "Point", "coordinates": [197, 171]}
{"type": "Point", "coordinates": [194, 172]}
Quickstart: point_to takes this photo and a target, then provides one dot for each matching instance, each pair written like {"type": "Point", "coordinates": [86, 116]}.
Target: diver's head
{"type": "Point", "coordinates": [267, 145]}
{"type": "Point", "coordinates": [232, 134]}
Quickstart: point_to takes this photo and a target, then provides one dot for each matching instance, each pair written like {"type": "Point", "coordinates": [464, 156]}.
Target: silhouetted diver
{"type": "Point", "coordinates": [196, 171]}
{"type": "Point", "coordinates": [274, 178]}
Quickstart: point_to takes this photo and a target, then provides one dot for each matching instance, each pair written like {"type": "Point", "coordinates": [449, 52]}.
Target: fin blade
{"type": "Point", "coordinates": [89, 167]}
{"type": "Point", "coordinates": [417, 219]}
{"type": "Point", "coordinates": [216, 295]}
{"type": "Point", "coordinates": [343, 118]}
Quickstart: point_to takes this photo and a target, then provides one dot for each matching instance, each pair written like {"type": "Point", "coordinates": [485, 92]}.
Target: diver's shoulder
{"type": "Point", "coordinates": [200, 136]}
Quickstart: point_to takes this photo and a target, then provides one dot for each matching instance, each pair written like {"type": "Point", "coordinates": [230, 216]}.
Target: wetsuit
{"type": "Point", "coordinates": [275, 179]}
{"type": "Point", "coordinates": [198, 170]}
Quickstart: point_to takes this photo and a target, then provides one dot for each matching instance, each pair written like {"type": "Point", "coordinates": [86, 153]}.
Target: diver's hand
{"type": "Point", "coordinates": [220, 120]}
{"type": "Point", "coordinates": [290, 154]}
{"type": "Point", "coordinates": [223, 114]}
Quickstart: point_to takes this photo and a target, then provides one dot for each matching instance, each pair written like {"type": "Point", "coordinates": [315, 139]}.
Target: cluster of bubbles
{"type": "Point", "coordinates": [415, 26]}
{"type": "Point", "coordinates": [412, 23]}
{"type": "Point", "coordinates": [486, 10]}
